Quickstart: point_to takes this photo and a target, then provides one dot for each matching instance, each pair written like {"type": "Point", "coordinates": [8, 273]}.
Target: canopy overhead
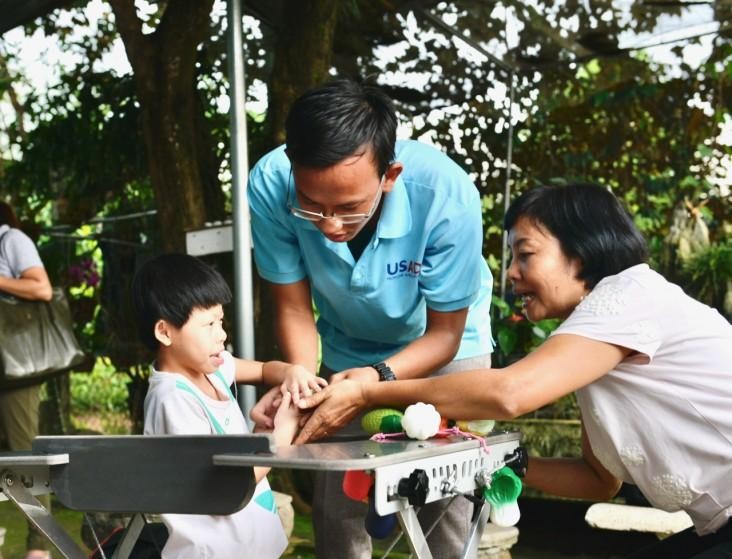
{"type": "Point", "coordinates": [533, 42]}
{"type": "Point", "coordinates": [20, 12]}
{"type": "Point", "coordinates": [541, 44]}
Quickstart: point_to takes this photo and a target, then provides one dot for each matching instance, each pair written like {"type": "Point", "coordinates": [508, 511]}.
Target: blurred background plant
{"type": "Point", "coordinates": [708, 275]}
{"type": "Point", "coordinates": [515, 335]}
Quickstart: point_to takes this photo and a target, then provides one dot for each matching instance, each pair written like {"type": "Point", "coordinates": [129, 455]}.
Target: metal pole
{"type": "Point", "coordinates": [244, 310]}
{"type": "Point", "coordinates": [507, 188]}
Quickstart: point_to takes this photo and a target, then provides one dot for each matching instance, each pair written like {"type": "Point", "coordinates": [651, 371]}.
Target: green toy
{"type": "Point", "coordinates": [382, 420]}
{"type": "Point", "coordinates": [502, 494]}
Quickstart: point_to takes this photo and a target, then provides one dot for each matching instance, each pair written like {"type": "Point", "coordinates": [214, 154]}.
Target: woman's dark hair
{"type": "Point", "coordinates": [329, 123]}
{"type": "Point", "coordinates": [169, 287]}
{"type": "Point", "coordinates": [590, 224]}
{"type": "Point", "coordinates": [7, 216]}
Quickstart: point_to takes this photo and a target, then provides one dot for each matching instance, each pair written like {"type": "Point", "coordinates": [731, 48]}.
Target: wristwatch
{"type": "Point", "coordinates": [385, 373]}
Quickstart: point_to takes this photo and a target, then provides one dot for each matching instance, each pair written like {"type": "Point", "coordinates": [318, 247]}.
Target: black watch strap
{"type": "Point", "coordinates": [385, 373]}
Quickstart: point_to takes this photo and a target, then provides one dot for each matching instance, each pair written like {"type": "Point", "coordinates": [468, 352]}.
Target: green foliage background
{"type": "Point", "coordinates": [583, 109]}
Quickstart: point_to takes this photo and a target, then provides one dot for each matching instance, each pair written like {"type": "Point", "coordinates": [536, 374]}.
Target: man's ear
{"type": "Point", "coordinates": [163, 331]}
{"type": "Point", "coordinates": [391, 175]}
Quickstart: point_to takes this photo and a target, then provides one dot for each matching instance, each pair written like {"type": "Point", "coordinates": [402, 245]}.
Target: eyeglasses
{"type": "Point", "coordinates": [345, 219]}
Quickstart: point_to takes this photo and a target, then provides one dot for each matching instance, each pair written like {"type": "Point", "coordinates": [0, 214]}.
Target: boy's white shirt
{"type": "Point", "coordinates": [172, 409]}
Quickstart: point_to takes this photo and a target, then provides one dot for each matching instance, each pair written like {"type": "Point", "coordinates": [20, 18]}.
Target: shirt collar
{"type": "Point", "coordinates": [396, 214]}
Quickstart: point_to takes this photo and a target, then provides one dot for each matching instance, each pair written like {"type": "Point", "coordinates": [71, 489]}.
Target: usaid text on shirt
{"type": "Point", "coordinates": [403, 268]}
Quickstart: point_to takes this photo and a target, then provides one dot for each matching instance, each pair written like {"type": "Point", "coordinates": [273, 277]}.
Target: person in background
{"type": "Point", "coordinates": [386, 238]}
{"type": "Point", "coordinates": [652, 368]}
{"type": "Point", "coordinates": [21, 275]}
{"type": "Point", "coordinates": [178, 301]}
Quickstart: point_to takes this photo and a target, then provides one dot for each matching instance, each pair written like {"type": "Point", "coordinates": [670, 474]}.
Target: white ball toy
{"type": "Point", "coordinates": [421, 421]}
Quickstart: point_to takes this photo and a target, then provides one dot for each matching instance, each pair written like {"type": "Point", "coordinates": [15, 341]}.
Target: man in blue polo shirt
{"type": "Point", "coordinates": [386, 238]}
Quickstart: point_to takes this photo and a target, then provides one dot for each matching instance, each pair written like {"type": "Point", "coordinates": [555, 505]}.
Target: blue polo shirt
{"type": "Point", "coordinates": [426, 252]}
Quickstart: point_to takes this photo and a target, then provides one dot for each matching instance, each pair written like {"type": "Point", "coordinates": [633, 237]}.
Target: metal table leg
{"type": "Point", "coordinates": [476, 531]}
{"type": "Point", "coordinates": [34, 510]}
{"type": "Point", "coordinates": [413, 533]}
{"type": "Point", "coordinates": [132, 532]}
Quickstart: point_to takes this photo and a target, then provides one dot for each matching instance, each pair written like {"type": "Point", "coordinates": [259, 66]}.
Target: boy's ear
{"type": "Point", "coordinates": [163, 332]}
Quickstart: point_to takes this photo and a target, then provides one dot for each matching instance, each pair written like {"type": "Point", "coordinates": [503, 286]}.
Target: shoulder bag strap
{"type": "Point", "coordinates": [2, 252]}
{"type": "Point", "coordinates": [3, 294]}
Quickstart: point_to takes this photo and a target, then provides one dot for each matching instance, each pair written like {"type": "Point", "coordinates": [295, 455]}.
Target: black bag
{"type": "Point", "coordinates": [36, 338]}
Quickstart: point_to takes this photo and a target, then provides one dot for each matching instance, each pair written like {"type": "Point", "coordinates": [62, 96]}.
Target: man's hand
{"type": "Point", "coordinates": [264, 411]}
{"type": "Point", "coordinates": [360, 374]}
{"type": "Point", "coordinates": [336, 406]}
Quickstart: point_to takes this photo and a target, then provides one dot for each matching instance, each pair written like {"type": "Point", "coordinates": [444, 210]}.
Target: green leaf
{"type": "Point", "coordinates": [507, 339]}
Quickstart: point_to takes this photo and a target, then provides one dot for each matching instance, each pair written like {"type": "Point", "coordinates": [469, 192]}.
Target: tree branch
{"type": "Point", "coordinates": [14, 101]}
{"type": "Point", "coordinates": [129, 27]}
{"type": "Point", "coordinates": [183, 27]}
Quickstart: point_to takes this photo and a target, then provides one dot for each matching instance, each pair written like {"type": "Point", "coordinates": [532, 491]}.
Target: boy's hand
{"type": "Point", "coordinates": [265, 409]}
{"type": "Point", "coordinates": [286, 421]}
{"type": "Point", "coordinates": [299, 382]}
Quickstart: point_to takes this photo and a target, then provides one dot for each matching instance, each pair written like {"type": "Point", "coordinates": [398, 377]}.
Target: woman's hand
{"type": "Point", "coordinates": [301, 382]}
{"type": "Point", "coordinates": [336, 406]}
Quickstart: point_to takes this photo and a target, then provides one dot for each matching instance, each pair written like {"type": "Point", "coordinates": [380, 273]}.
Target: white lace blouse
{"type": "Point", "coordinates": [663, 418]}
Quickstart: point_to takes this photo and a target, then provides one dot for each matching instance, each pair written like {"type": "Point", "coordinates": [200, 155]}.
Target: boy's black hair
{"type": "Point", "coordinates": [169, 287]}
{"type": "Point", "coordinates": [590, 223]}
{"type": "Point", "coordinates": [331, 122]}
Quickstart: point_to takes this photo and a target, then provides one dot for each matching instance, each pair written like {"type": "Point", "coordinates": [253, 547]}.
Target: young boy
{"type": "Point", "coordinates": [178, 303]}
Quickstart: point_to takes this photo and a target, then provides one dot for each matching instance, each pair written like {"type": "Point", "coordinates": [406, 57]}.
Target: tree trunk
{"type": "Point", "coordinates": [180, 158]}
{"type": "Point", "coordinates": [303, 53]}
{"type": "Point", "coordinates": [170, 140]}
{"type": "Point", "coordinates": [302, 57]}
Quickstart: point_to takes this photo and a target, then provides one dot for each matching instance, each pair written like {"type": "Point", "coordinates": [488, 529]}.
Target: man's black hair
{"type": "Point", "coordinates": [169, 287]}
{"type": "Point", "coordinates": [590, 223]}
{"type": "Point", "coordinates": [327, 124]}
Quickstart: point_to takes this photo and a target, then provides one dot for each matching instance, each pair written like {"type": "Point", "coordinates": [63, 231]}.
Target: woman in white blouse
{"type": "Point", "coordinates": [651, 366]}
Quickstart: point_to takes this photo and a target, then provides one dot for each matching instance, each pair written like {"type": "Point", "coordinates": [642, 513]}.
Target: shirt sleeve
{"type": "Point", "coordinates": [276, 248]}
{"type": "Point", "coordinates": [450, 278]}
{"type": "Point", "coordinates": [178, 413]}
{"type": "Point", "coordinates": [618, 311]}
{"type": "Point", "coordinates": [20, 252]}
